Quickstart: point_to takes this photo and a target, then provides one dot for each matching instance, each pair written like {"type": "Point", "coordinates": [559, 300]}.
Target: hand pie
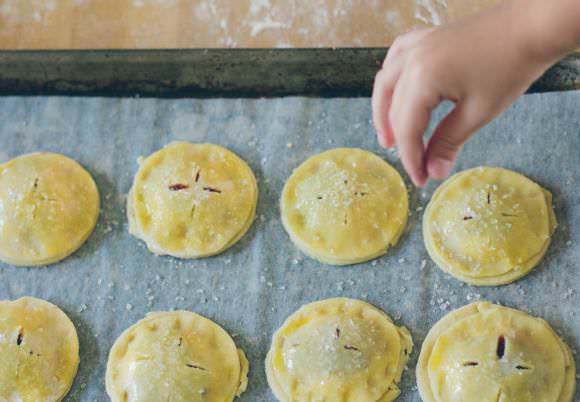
{"type": "Point", "coordinates": [344, 206]}
{"type": "Point", "coordinates": [488, 226]}
{"type": "Point", "coordinates": [49, 206]}
{"type": "Point", "coordinates": [192, 200]}
{"type": "Point", "coordinates": [338, 350]}
{"type": "Point", "coordinates": [488, 353]}
{"type": "Point", "coordinates": [175, 356]}
{"type": "Point", "coordinates": [39, 351]}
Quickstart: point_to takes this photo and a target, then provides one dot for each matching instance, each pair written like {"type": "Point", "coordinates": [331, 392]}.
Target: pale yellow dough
{"type": "Point", "coordinates": [488, 353]}
{"type": "Point", "coordinates": [338, 350]}
{"type": "Point", "coordinates": [49, 206]}
{"type": "Point", "coordinates": [192, 200]}
{"type": "Point", "coordinates": [344, 206]}
{"type": "Point", "coordinates": [488, 226]}
{"type": "Point", "coordinates": [175, 356]}
{"type": "Point", "coordinates": [39, 351]}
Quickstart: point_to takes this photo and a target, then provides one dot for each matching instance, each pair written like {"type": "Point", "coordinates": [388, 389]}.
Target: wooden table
{"type": "Point", "coordinates": [162, 24]}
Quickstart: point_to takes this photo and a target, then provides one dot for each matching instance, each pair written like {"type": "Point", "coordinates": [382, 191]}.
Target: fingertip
{"type": "Point", "coordinates": [382, 139]}
{"type": "Point", "coordinates": [385, 139]}
{"type": "Point", "coordinates": [419, 178]}
{"type": "Point", "coordinates": [415, 169]}
{"type": "Point", "coordinates": [421, 182]}
{"type": "Point", "coordinates": [439, 168]}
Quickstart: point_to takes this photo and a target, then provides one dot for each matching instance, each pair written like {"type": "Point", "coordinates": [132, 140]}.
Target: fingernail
{"type": "Point", "coordinates": [419, 182]}
{"type": "Point", "coordinates": [439, 168]}
{"type": "Point", "coordinates": [420, 179]}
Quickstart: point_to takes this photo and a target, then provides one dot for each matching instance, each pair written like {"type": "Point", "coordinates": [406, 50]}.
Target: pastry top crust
{"type": "Point", "coordinates": [488, 225]}
{"type": "Point", "coordinates": [40, 351]}
{"type": "Point", "coordinates": [344, 206]}
{"type": "Point", "coordinates": [192, 200]}
{"type": "Point", "coordinates": [338, 349]}
{"type": "Point", "coordinates": [487, 353]}
{"type": "Point", "coordinates": [49, 205]}
{"type": "Point", "coordinates": [178, 356]}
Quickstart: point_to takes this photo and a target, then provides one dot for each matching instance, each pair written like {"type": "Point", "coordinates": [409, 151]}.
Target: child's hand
{"type": "Point", "coordinates": [482, 64]}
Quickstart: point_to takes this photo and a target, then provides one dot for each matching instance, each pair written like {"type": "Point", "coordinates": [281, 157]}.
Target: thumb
{"type": "Point", "coordinates": [447, 139]}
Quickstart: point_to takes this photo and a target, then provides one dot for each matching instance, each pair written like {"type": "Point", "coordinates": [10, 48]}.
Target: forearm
{"type": "Point", "coordinates": [551, 27]}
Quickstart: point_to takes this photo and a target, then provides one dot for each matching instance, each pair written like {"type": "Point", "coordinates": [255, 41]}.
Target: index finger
{"type": "Point", "coordinates": [411, 109]}
{"type": "Point", "coordinates": [384, 85]}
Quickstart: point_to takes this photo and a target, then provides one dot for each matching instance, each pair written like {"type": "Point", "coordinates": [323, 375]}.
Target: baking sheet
{"type": "Point", "coordinates": [113, 280]}
{"type": "Point", "coordinates": [238, 73]}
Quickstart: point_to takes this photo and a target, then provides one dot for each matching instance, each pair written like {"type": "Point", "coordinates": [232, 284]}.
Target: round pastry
{"type": "Point", "coordinates": [175, 356]}
{"type": "Point", "coordinates": [39, 351]}
{"type": "Point", "coordinates": [49, 206]}
{"type": "Point", "coordinates": [488, 226]}
{"type": "Point", "coordinates": [488, 353]}
{"type": "Point", "coordinates": [192, 200]}
{"type": "Point", "coordinates": [338, 350]}
{"type": "Point", "coordinates": [344, 206]}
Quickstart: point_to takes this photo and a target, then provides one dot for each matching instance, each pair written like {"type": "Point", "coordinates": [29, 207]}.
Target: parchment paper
{"type": "Point", "coordinates": [113, 281]}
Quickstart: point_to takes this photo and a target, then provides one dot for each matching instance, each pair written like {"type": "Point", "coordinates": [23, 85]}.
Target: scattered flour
{"type": "Point", "coordinates": [205, 9]}
{"type": "Point", "coordinates": [272, 22]}
{"type": "Point", "coordinates": [17, 11]}
{"type": "Point", "coordinates": [265, 24]}
{"type": "Point", "coordinates": [257, 5]}
{"type": "Point", "coordinates": [427, 11]}
{"type": "Point", "coordinates": [164, 3]}
{"type": "Point", "coordinates": [392, 17]}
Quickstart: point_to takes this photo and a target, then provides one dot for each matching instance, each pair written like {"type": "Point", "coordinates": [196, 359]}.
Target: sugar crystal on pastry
{"type": "Point", "coordinates": [488, 226]}
{"type": "Point", "coordinates": [344, 206]}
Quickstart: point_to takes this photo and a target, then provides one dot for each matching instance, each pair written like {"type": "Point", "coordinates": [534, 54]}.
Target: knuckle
{"type": "Point", "coordinates": [420, 64]}
{"type": "Point", "coordinates": [448, 144]}
{"type": "Point", "coordinates": [394, 50]}
{"type": "Point", "coordinates": [398, 45]}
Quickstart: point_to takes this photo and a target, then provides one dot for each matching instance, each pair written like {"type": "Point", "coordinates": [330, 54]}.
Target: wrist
{"type": "Point", "coordinates": [549, 29]}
